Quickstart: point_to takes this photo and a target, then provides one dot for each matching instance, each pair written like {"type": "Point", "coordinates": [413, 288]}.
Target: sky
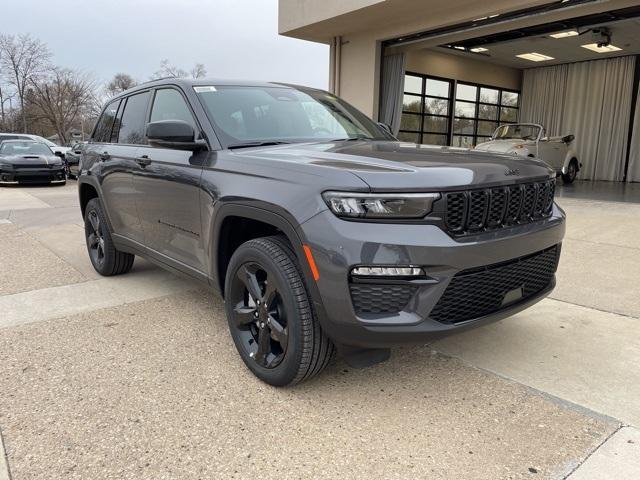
{"type": "Point", "coordinates": [235, 39]}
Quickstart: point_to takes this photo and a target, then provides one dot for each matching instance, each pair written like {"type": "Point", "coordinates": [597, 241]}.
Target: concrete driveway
{"type": "Point", "coordinates": [136, 377]}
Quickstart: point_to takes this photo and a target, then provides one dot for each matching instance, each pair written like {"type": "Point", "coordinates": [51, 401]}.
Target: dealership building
{"type": "Point", "coordinates": [448, 73]}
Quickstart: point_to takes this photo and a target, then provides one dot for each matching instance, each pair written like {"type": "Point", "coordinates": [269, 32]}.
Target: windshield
{"type": "Point", "coordinates": [24, 148]}
{"type": "Point", "coordinates": [520, 132]}
{"type": "Point", "coordinates": [243, 114]}
{"type": "Point", "coordinates": [48, 143]}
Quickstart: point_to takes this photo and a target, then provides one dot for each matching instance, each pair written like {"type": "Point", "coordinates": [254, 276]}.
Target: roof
{"type": "Point", "coordinates": [186, 83]}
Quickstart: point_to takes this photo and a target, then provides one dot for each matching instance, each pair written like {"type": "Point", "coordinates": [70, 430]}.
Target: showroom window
{"type": "Point", "coordinates": [444, 112]}
{"type": "Point", "coordinates": [426, 110]}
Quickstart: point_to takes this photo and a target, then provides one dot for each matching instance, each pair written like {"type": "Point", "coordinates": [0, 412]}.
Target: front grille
{"type": "Point", "coordinates": [42, 166]}
{"type": "Point", "coordinates": [378, 298]}
{"type": "Point", "coordinates": [481, 291]}
{"type": "Point", "coordinates": [474, 211]}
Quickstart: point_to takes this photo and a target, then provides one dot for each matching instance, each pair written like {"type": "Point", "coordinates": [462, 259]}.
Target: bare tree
{"type": "Point", "coordinates": [198, 71]}
{"type": "Point", "coordinates": [61, 98]}
{"type": "Point", "coordinates": [23, 60]}
{"type": "Point", "coordinates": [119, 83]}
{"type": "Point", "coordinates": [171, 71]}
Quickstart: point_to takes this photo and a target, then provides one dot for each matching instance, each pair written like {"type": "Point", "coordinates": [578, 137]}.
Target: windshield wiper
{"type": "Point", "coordinates": [350, 139]}
{"type": "Point", "coordinates": [256, 144]}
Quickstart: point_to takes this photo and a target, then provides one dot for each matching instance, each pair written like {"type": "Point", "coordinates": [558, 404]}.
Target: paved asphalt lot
{"type": "Point", "coordinates": [136, 377]}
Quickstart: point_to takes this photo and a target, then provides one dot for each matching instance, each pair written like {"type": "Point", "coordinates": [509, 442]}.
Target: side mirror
{"type": "Point", "coordinates": [58, 153]}
{"type": "Point", "coordinates": [176, 134]}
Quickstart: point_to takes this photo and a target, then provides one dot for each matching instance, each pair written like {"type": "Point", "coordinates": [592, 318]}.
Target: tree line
{"type": "Point", "coordinates": [39, 97]}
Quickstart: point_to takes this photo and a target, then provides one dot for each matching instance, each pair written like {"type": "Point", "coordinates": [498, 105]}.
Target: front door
{"type": "Point", "coordinates": [168, 189]}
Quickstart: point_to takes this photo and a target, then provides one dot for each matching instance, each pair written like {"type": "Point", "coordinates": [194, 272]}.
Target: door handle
{"type": "Point", "coordinates": [104, 156]}
{"type": "Point", "coordinates": [143, 161]}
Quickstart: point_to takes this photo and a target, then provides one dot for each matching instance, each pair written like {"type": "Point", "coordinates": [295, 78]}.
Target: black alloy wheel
{"type": "Point", "coordinates": [260, 316]}
{"type": "Point", "coordinates": [95, 238]}
{"type": "Point", "coordinates": [271, 317]}
{"type": "Point", "coordinates": [106, 259]}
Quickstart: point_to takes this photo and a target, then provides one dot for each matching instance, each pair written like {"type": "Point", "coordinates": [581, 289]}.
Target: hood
{"type": "Point", "coordinates": [501, 146]}
{"type": "Point", "coordinates": [397, 166]}
{"type": "Point", "coordinates": [27, 160]}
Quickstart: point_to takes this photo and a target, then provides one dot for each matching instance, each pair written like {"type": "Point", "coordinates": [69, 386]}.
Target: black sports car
{"type": "Point", "coordinates": [27, 161]}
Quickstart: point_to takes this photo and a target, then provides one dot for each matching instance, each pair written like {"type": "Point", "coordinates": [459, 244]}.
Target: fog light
{"type": "Point", "coordinates": [408, 271]}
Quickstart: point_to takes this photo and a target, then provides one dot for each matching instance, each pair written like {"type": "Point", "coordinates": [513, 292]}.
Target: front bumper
{"type": "Point", "coordinates": [339, 245]}
{"type": "Point", "coordinates": [19, 175]}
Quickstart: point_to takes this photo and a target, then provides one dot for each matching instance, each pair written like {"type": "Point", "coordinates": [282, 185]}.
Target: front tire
{"type": "Point", "coordinates": [105, 258]}
{"type": "Point", "coordinates": [270, 315]}
{"type": "Point", "coordinates": [572, 172]}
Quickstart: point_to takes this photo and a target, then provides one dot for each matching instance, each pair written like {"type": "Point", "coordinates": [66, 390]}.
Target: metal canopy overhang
{"type": "Point", "coordinates": [505, 18]}
{"type": "Point", "coordinates": [546, 28]}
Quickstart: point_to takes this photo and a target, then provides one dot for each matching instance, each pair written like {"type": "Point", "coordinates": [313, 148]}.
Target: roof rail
{"type": "Point", "coordinates": [157, 79]}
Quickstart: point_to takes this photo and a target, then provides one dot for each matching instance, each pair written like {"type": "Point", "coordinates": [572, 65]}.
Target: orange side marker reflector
{"type": "Point", "coordinates": [312, 262]}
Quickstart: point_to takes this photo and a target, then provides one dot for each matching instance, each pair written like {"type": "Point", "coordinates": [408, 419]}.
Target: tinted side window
{"type": "Point", "coordinates": [133, 120]}
{"type": "Point", "coordinates": [116, 123]}
{"type": "Point", "coordinates": [102, 132]}
{"type": "Point", "coordinates": [169, 104]}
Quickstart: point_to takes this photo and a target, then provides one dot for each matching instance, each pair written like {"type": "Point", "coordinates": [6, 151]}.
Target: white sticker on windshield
{"type": "Point", "coordinates": [205, 89]}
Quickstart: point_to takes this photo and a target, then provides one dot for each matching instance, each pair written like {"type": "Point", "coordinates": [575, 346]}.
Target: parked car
{"type": "Point", "coordinates": [319, 229]}
{"type": "Point", "coordinates": [62, 151]}
{"type": "Point", "coordinates": [27, 161]}
{"type": "Point", "coordinates": [530, 140]}
{"type": "Point", "coordinates": [72, 159]}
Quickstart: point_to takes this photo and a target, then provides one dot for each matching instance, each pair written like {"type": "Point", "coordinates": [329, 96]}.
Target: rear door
{"type": "Point", "coordinates": [118, 165]}
{"type": "Point", "coordinates": [169, 188]}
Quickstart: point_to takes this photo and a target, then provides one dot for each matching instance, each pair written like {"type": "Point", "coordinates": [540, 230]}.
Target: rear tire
{"type": "Point", "coordinates": [572, 172]}
{"type": "Point", "coordinates": [271, 318]}
{"type": "Point", "coordinates": [105, 258]}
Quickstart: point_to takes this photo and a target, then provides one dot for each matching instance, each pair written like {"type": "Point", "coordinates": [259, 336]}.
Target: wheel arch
{"type": "Point", "coordinates": [249, 222]}
{"type": "Point", "coordinates": [569, 157]}
{"type": "Point", "coordinates": [86, 191]}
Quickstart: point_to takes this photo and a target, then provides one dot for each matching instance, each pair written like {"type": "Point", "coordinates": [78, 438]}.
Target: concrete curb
{"type": "Point", "coordinates": [617, 457]}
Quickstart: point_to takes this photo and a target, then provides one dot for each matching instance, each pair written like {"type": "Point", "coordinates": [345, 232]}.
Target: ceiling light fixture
{"type": "Point", "coordinates": [478, 49]}
{"type": "Point", "coordinates": [535, 57]}
{"type": "Point", "coordinates": [598, 48]}
{"type": "Point", "coordinates": [568, 33]}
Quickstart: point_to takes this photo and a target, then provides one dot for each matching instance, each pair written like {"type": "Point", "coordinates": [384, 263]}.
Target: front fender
{"type": "Point", "coordinates": [283, 222]}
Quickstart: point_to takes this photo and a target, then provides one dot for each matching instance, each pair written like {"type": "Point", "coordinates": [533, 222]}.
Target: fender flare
{"type": "Point", "coordinates": [93, 182]}
{"type": "Point", "coordinates": [283, 222]}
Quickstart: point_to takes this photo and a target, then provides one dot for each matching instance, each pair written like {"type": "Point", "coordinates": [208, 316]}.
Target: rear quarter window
{"type": "Point", "coordinates": [102, 132]}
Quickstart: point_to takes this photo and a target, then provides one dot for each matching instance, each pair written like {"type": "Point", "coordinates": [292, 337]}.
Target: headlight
{"type": "Point", "coordinates": [5, 165]}
{"type": "Point", "coordinates": [380, 205]}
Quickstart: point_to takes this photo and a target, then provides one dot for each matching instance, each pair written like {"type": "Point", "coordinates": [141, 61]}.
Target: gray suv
{"type": "Point", "coordinates": [320, 230]}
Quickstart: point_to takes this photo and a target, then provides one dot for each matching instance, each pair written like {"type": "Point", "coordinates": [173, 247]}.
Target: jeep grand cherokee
{"type": "Point", "coordinates": [320, 230]}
